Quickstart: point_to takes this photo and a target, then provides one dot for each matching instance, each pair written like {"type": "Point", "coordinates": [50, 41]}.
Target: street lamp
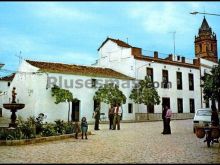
{"type": "Point", "coordinates": [196, 12]}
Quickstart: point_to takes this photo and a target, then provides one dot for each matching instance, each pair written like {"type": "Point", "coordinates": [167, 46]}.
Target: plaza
{"type": "Point", "coordinates": [140, 142]}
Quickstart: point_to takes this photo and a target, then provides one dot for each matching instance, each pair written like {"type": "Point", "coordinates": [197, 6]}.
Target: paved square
{"type": "Point", "coordinates": [134, 143]}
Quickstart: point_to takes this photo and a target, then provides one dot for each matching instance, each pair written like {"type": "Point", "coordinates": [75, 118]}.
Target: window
{"type": "Point", "coordinates": [191, 82]}
{"type": "Point", "coordinates": [179, 80]}
{"type": "Point", "coordinates": [165, 78]}
{"type": "Point", "coordinates": [93, 83]}
{"type": "Point", "coordinates": [0, 112]}
{"type": "Point", "coordinates": [150, 108]}
{"type": "Point", "coordinates": [150, 74]}
{"type": "Point", "coordinates": [9, 83]}
{"type": "Point", "coordinates": [180, 105]}
{"type": "Point", "coordinates": [192, 105]}
{"type": "Point", "coordinates": [130, 108]}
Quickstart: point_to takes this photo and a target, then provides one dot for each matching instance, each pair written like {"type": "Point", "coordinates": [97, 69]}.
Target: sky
{"type": "Point", "coordinates": [71, 32]}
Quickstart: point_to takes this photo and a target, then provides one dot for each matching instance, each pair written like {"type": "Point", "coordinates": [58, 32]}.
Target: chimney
{"type": "Point", "coordinates": [183, 60]}
{"type": "Point", "coordinates": [196, 62]}
{"type": "Point", "coordinates": [170, 57]}
{"type": "Point", "coordinates": [137, 52]}
{"type": "Point", "coordinates": [155, 54]}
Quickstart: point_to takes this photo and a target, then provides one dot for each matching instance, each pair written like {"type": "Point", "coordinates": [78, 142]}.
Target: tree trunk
{"type": "Point", "coordinates": [69, 112]}
{"type": "Point", "coordinates": [218, 104]}
{"type": "Point", "coordinates": [147, 113]}
{"type": "Point", "coordinates": [213, 103]}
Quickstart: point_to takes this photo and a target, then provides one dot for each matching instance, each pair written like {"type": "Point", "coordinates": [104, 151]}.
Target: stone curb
{"type": "Point", "coordinates": [38, 140]}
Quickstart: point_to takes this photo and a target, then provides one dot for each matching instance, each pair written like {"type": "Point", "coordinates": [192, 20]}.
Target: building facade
{"type": "Point", "coordinates": [177, 81]}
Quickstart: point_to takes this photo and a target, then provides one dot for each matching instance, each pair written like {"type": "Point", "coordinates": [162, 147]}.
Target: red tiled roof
{"type": "Point", "coordinates": [77, 69]}
{"type": "Point", "coordinates": [8, 78]}
{"type": "Point", "coordinates": [118, 42]}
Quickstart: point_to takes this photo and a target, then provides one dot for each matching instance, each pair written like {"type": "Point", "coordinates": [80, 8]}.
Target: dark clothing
{"type": "Point", "coordinates": [164, 119]}
{"type": "Point", "coordinates": [84, 128]}
{"type": "Point", "coordinates": [214, 118]}
{"type": "Point", "coordinates": [111, 117]}
{"type": "Point", "coordinates": [97, 118]}
{"type": "Point", "coordinates": [167, 126]}
{"type": "Point", "coordinates": [84, 124]}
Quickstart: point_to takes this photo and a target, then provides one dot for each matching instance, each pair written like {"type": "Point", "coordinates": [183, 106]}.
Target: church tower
{"type": "Point", "coordinates": [206, 43]}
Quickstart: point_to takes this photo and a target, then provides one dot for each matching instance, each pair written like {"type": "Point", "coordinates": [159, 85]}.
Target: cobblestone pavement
{"type": "Point", "coordinates": [134, 143]}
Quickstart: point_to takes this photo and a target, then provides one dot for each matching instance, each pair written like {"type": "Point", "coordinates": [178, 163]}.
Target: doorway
{"type": "Point", "coordinates": [75, 110]}
{"type": "Point", "coordinates": [165, 101]}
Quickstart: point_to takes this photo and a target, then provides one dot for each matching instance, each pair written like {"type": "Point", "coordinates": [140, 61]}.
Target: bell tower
{"type": "Point", "coordinates": [206, 43]}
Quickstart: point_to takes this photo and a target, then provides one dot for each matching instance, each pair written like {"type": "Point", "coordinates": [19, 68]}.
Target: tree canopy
{"type": "Point", "coordinates": [61, 95]}
{"type": "Point", "coordinates": [145, 93]}
{"type": "Point", "coordinates": [110, 94]}
{"type": "Point", "coordinates": [211, 84]}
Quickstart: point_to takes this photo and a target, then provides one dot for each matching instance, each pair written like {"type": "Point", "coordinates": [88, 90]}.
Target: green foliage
{"type": "Point", "coordinates": [48, 130]}
{"type": "Point", "coordinates": [59, 126]}
{"type": "Point", "coordinates": [10, 134]}
{"type": "Point", "coordinates": [145, 93]}
{"type": "Point", "coordinates": [61, 95]}
{"type": "Point", "coordinates": [110, 94]}
{"type": "Point", "coordinates": [27, 128]}
{"type": "Point", "coordinates": [39, 123]}
{"type": "Point", "coordinates": [68, 128]}
{"type": "Point", "coordinates": [211, 84]}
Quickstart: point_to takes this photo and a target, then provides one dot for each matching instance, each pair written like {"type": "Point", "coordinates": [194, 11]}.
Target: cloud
{"type": "Point", "coordinates": [164, 17]}
{"type": "Point", "coordinates": [62, 12]}
{"type": "Point", "coordinates": [65, 57]}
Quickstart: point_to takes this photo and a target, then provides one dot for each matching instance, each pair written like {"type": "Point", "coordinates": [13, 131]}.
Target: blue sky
{"type": "Point", "coordinates": [71, 32]}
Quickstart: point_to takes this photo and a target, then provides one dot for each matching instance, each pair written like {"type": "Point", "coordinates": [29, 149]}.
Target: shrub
{"type": "Point", "coordinates": [48, 130]}
{"type": "Point", "coordinates": [39, 123]}
{"type": "Point", "coordinates": [59, 126]}
{"type": "Point", "coordinates": [69, 128]}
{"type": "Point", "coordinates": [27, 128]}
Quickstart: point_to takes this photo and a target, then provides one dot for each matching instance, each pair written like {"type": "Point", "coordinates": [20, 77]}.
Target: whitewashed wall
{"type": "Point", "coordinates": [32, 91]}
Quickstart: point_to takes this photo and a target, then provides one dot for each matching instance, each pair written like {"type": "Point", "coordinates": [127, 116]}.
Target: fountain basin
{"type": "Point", "coordinates": [13, 106]}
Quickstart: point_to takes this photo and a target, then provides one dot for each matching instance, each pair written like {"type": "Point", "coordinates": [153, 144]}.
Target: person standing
{"type": "Point", "coordinates": [76, 129]}
{"type": "Point", "coordinates": [214, 116]}
{"type": "Point", "coordinates": [111, 116]}
{"type": "Point", "coordinates": [164, 119]}
{"type": "Point", "coordinates": [84, 127]}
{"type": "Point", "coordinates": [117, 117]}
{"type": "Point", "coordinates": [97, 117]}
{"type": "Point", "coordinates": [167, 122]}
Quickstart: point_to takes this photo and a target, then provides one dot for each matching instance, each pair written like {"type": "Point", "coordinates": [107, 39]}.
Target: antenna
{"type": "Point", "coordinates": [127, 40]}
{"type": "Point", "coordinates": [174, 49]}
{"type": "Point", "coordinates": [20, 57]}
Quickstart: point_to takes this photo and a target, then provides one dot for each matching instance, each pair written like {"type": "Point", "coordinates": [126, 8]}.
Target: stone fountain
{"type": "Point", "coordinates": [13, 106]}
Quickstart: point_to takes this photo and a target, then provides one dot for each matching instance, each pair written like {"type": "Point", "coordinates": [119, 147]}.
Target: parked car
{"type": "Point", "coordinates": [202, 117]}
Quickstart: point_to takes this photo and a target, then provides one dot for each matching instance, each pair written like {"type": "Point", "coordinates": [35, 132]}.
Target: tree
{"type": "Point", "coordinates": [211, 85]}
{"type": "Point", "coordinates": [110, 94]}
{"type": "Point", "coordinates": [62, 95]}
{"type": "Point", "coordinates": [145, 93]}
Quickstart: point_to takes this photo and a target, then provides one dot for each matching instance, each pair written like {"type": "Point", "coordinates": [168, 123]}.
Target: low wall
{"type": "Point", "coordinates": [38, 140]}
{"type": "Point", "coordinates": [158, 116]}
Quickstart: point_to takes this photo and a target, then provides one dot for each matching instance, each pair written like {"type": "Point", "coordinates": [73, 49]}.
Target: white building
{"type": "Point", "coordinates": [34, 81]}
{"type": "Point", "coordinates": [177, 81]}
